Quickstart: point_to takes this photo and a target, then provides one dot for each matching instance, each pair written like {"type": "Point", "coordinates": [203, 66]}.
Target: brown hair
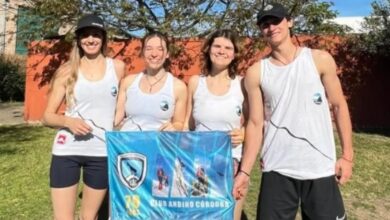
{"type": "Point", "coordinates": [206, 61]}
{"type": "Point", "coordinates": [162, 37]}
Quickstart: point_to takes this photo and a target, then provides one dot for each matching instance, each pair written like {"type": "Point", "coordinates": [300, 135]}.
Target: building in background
{"type": "Point", "coordinates": [12, 15]}
{"type": "Point", "coordinates": [355, 23]}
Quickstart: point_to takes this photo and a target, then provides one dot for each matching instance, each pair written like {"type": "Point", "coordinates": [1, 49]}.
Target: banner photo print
{"type": "Point", "coordinates": [170, 175]}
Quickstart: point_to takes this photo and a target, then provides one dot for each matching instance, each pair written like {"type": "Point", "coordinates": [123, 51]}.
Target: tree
{"type": "Point", "coordinates": [182, 18]}
{"type": "Point", "coordinates": [376, 40]}
{"type": "Point", "coordinates": [315, 18]}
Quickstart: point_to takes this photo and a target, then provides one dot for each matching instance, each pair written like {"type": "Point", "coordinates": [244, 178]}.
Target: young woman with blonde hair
{"type": "Point", "coordinates": [88, 83]}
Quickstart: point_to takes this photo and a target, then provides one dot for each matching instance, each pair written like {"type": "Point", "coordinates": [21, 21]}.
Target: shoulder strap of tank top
{"type": "Point", "coordinates": [201, 85]}
{"type": "Point", "coordinates": [135, 83]}
{"type": "Point", "coordinates": [262, 69]}
{"type": "Point", "coordinates": [169, 85]}
{"type": "Point", "coordinates": [111, 68]}
{"type": "Point", "coordinates": [235, 84]}
{"type": "Point", "coordinates": [307, 54]}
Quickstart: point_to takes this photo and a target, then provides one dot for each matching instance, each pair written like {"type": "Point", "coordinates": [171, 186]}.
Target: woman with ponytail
{"type": "Point", "coordinates": [88, 83]}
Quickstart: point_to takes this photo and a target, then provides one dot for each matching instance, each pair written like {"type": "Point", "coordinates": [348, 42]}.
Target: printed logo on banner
{"type": "Point", "coordinates": [132, 169]}
{"type": "Point", "coordinates": [132, 204]}
{"type": "Point", "coordinates": [170, 175]}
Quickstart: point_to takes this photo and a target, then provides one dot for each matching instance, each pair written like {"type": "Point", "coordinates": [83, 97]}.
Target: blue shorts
{"type": "Point", "coordinates": [65, 171]}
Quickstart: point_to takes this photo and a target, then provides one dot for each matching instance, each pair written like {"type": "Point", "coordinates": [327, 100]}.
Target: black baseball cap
{"type": "Point", "coordinates": [272, 10]}
{"type": "Point", "coordinates": [90, 20]}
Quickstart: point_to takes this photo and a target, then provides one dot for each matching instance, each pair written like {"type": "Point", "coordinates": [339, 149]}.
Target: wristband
{"type": "Point", "coordinates": [347, 160]}
{"type": "Point", "coordinates": [241, 171]}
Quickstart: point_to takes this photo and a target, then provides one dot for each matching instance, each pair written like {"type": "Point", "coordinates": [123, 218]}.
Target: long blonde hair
{"type": "Point", "coordinates": [71, 67]}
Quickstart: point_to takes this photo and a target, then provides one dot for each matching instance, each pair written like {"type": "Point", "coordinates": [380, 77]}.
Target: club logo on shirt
{"type": "Point", "coordinates": [238, 110]}
{"type": "Point", "coordinates": [61, 139]}
{"type": "Point", "coordinates": [164, 105]}
{"type": "Point", "coordinates": [317, 98]}
{"type": "Point", "coordinates": [114, 91]}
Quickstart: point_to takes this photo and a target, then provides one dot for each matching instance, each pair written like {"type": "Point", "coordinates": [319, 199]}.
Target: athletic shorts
{"type": "Point", "coordinates": [280, 197]}
{"type": "Point", "coordinates": [65, 171]}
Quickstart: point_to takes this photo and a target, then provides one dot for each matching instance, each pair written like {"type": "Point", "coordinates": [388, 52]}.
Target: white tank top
{"type": "Point", "coordinates": [148, 112]}
{"type": "Point", "coordinates": [298, 137]}
{"type": "Point", "coordinates": [218, 112]}
{"type": "Point", "coordinates": [95, 103]}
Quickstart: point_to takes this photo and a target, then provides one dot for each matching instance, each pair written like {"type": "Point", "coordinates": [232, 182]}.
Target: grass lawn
{"type": "Point", "coordinates": [25, 158]}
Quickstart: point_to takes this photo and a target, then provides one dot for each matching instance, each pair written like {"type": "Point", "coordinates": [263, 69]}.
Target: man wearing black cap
{"type": "Point", "coordinates": [289, 93]}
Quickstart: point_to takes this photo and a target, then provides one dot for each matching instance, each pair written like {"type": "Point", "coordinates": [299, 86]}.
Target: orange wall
{"type": "Point", "coordinates": [365, 79]}
{"type": "Point", "coordinates": [45, 57]}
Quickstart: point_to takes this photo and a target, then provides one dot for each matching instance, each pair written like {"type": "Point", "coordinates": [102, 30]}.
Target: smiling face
{"type": "Point", "coordinates": [155, 52]}
{"type": "Point", "coordinates": [275, 30]}
{"type": "Point", "coordinates": [221, 52]}
{"type": "Point", "coordinates": [91, 41]}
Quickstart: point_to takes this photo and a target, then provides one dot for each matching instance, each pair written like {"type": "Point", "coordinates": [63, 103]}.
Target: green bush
{"type": "Point", "coordinates": [12, 78]}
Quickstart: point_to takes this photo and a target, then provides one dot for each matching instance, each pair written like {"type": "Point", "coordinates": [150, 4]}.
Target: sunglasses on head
{"type": "Point", "coordinates": [268, 21]}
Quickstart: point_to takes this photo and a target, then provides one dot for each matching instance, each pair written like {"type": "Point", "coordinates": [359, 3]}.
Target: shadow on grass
{"type": "Point", "coordinates": [19, 138]}
{"type": "Point", "coordinates": [8, 151]}
{"type": "Point", "coordinates": [243, 216]}
{"type": "Point", "coordinates": [379, 131]}
{"type": "Point", "coordinates": [21, 133]}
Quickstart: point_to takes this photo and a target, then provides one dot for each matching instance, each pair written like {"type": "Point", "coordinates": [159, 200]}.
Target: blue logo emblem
{"type": "Point", "coordinates": [164, 105]}
{"type": "Point", "coordinates": [317, 98]}
{"type": "Point", "coordinates": [132, 169]}
{"type": "Point", "coordinates": [238, 110]}
{"type": "Point", "coordinates": [114, 91]}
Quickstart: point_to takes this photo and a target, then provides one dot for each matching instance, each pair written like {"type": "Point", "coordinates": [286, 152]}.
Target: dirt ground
{"type": "Point", "coordinates": [11, 113]}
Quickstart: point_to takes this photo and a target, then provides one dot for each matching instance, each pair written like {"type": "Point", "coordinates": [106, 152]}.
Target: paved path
{"type": "Point", "coordinates": [11, 113]}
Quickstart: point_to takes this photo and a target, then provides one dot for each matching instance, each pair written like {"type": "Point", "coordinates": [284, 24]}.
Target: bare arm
{"type": "Point", "coordinates": [120, 105]}
{"type": "Point", "coordinates": [238, 134]}
{"type": "Point", "coordinates": [120, 73]}
{"type": "Point", "coordinates": [253, 131]}
{"type": "Point", "coordinates": [177, 122]}
{"type": "Point", "coordinates": [56, 98]}
{"type": "Point", "coordinates": [189, 123]}
{"type": "Point", "coordinates": [254, 127]}
{"type": "Point", "coordinates": [327, 68]}
{"type": "Point", "coordinates": [119, 69]}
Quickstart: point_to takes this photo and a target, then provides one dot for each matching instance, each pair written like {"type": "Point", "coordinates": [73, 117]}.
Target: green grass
{"type": "Point", "coordinates": [25, 156]}
{"type": "Point", "coordinates": [25, 153]}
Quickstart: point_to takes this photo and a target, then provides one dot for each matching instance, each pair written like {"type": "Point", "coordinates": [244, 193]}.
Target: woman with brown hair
{"type": "Point", "coordinates": [216, 97]}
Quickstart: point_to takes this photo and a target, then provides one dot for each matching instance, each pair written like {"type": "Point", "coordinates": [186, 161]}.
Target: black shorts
{"type": "Point", "coordinates": [65, 171]}
{"type": "Point", "coordinates": [280, 197]}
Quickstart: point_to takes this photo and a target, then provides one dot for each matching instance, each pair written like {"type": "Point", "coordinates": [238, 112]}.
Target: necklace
{"type": "Point", "coordinates": [295, 53]}
{"type": "Point", "coordinates": [155, 82]}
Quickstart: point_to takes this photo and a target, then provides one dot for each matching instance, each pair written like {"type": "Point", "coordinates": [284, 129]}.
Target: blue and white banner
{"type": "Point", "coordinates": [170, 175]}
